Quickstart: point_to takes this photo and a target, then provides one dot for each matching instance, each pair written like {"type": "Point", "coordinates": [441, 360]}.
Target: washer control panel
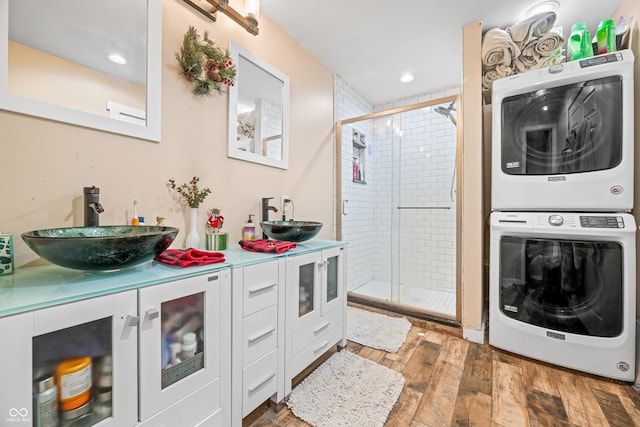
{"type": "Point", "coordinates": [556, 220]}
{"type": "Point", "coordinates": [601, 221]}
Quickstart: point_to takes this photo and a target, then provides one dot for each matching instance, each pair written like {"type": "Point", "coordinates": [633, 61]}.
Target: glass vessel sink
{"type": "Point", "coordinates": [100, 248]}
{"type": "Point", "coordinates": [291, 231]}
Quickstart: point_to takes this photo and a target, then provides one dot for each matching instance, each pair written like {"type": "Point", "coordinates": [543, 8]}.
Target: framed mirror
{"type": "Point", "coordinates": [258, 111]}
{"type": "Point", "coordinates": [54, 63]}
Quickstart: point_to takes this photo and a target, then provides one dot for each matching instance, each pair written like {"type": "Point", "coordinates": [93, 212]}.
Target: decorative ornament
{"type": "Point", "coordinates": [205, 65]}
{"type": "Point", "coordinates": [215, 220]}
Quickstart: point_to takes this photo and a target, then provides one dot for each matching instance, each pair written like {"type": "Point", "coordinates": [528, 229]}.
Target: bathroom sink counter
{"type": "Point", "coordinates": [237, 257]}
{"type": "Point", "coordinates": [42, 286]}
{"type": "Point", "coordinates": [48, 285]}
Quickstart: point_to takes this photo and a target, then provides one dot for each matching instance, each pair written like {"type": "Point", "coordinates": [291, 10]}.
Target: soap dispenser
{"type": "Point", "coordinates": [249, 230]}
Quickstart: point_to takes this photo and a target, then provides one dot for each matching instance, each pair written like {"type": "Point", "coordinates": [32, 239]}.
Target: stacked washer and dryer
{"type": "Point", "coordinates": [562, 252]}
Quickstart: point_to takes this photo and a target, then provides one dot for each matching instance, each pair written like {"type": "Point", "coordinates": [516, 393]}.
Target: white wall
{"type": "Point", "coordinates": [46, 164]}
{"type": "Point", "coordinates": [358, 225]}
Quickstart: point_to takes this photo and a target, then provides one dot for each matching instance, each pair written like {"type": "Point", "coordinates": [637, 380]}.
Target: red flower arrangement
{"type": "Point", "coordinates": [190, 192]}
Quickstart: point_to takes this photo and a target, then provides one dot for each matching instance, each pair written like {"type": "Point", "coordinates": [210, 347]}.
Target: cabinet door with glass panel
{"type": "Point", "coordinates": [72, 364]}
{"type": "Point", "coordinates": [332, 283]}
{"type": "Point", "coordinates": [303, 300]}
{"type": "Point", "coordinates": [180, 334]}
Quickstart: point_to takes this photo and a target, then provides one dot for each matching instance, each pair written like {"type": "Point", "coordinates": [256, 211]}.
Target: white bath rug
{"type": "Point", "coordinates": [347, 390]}
{"type": "Point", "coordinates": [376, 330]}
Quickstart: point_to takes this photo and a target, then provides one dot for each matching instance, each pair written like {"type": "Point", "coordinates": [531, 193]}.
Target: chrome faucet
{"type": "Point", "coordinates": [92, 206]}
{"type": "Point", "coordinates": [265, 211]}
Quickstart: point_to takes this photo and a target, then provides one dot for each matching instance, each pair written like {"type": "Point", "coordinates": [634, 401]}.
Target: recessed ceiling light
{"type": "Point", "coordinates": [406, 78]}
{"type": "Point", "coordinates": [545, 6]}
{"type": "Point", "coordinates": [118, 59]}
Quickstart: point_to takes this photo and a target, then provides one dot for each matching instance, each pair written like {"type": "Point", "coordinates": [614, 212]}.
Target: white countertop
{"type": "Point", "coordinates": [31, 288]}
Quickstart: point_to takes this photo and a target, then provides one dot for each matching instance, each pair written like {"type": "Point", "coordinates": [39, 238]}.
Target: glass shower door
{"type": "Point", "coordinates": [424, 214]}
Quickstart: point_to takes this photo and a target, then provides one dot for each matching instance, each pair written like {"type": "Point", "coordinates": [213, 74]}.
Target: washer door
{"type": "Point", "coordinates": [565, 285]}
{"type": "Point", "coordinates": [574, 128]}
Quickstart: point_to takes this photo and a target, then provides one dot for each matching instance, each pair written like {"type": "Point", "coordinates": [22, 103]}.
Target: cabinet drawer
{"type": "Point", "coordinates": [315, 349]}
{"type": "Point", "coordinates": [307, 334]}
{"type": "Point", "coordinates": [259, 382]}
{"type": "Point", "coordinates": [259, 334]}
{"type": "Point", "coordinates": [260, 289]}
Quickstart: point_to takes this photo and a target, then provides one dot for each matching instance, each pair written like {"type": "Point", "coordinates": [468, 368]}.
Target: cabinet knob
{"type": "Point", "coordinates": [131, 320]}
{"type": "Point", "coordinates": [151, 314]}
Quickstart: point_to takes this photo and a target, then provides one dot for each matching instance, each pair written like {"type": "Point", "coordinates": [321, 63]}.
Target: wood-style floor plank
{"type": "Point", "coordinates": [453, 382]}
{"type": "Point", "coordinates": [509, 407]}
{"type": "Point", "coordinates": [579, 402]}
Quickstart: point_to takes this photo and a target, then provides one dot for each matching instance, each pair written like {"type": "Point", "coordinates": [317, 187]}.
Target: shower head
{"type": "Point", "coordinates": [446, 111]}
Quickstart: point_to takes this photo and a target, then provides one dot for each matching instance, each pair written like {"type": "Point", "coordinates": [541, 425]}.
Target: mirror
{"type": "Point", "coordinates": [54, 63]}
{"type": "Point", "coordinates": [258, 111]}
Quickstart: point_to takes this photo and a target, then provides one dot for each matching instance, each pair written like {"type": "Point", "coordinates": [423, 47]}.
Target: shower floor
{"type": "Point", "coordinates": [428, 299]}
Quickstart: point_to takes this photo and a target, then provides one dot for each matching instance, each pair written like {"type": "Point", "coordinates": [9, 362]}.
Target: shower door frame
{"type": "Point", "coordinates": [340, 202]}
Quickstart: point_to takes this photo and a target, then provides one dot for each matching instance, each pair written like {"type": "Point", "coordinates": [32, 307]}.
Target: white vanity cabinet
{"type": "Point", "coordinates": [257, 336]}
{"type": "Point", "coordinates": [184, 336]}
{"type": "Point", "coordinates": [315, 308]}
{"type": "Point", "coordinates": [50, 316]}
{"type": "Point", "coordinates": [37, 342]}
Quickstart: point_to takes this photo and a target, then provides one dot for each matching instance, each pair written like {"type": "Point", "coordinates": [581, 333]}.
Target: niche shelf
{"type": "Point", "coordinates": [359, 152]}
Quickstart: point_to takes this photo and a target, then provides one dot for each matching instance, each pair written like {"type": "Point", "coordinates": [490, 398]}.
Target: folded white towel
{"type": "Point", "coordinates": [540, 53]}
{"type": "Point", "coordinates": [498, 49]}
{"type": "Point", "coordinates": [548, 44]}
{"type": "Point", "coordinates": [492, 75]}
{"type": "Point", "coordinates": [531, 28]}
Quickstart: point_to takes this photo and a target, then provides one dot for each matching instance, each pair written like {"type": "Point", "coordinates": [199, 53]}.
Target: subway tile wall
{"type": "Point", "coordinates": [409, 164]}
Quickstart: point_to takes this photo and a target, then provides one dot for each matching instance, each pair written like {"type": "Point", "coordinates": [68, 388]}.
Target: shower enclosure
{"type": "Point", "coordinates": [399, 204]}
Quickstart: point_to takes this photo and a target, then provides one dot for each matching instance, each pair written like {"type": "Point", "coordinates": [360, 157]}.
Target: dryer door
{"type": "Point", "coordinates": [571, 286]}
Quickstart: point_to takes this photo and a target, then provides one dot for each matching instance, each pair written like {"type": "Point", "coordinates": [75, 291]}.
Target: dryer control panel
{"type": "Point", "coordinates": [587, 221]}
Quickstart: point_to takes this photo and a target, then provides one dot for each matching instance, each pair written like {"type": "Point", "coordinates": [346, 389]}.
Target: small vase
{"type": "Point", "coordinates": [193, 238]}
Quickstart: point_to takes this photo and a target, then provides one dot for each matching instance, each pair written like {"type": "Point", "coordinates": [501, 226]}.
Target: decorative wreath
{"type": "Point", "coordinates": [205, 65]}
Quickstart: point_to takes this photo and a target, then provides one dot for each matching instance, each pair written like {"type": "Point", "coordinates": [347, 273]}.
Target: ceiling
{"type": "Point", "coordinates": [370, 44]}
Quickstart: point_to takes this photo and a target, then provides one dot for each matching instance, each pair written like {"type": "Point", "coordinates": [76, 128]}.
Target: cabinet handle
{"type": "Point", "coordinates": [151, 314]}
{"type": "Point", "coordinates": [261, 288]}
{"type": "Point", "coordinates": [321, 328]}
{"type": "Point", "coordinates": [262, 335]}
{"type": "Point", "coordinates": [131, 320]}
{"type": "Point", "coordinates": [263, 382]}
{"type": "Point", "coordinates": [323, 345]}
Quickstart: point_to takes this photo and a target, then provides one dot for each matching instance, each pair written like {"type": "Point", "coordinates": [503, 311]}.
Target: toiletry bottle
{"type": "Point", "coordinates": [45, 402]}
{"type": "Point", "coordinates": [73, 377]}
{"type": "Point", "coordinates": [249, 230]}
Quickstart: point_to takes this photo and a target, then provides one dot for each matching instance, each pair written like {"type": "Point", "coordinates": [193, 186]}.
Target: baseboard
{"type": "Point", "coordinates": [636, 385]}
{"type": "Point", "coordinates": [476, 335]}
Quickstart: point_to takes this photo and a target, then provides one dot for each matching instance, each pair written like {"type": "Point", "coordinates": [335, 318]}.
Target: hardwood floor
{"type": "Point", "coordinates": [453, 382]}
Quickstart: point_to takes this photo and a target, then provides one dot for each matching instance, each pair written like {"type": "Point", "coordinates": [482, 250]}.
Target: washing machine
{"type": "Point", "coordinates": [563, 289]}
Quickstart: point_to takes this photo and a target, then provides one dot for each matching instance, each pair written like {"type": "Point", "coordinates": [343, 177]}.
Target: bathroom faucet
{"type": "Point", "coordinates": [265, 211]}
{"type": "Point", "coordinates": [92, 206]}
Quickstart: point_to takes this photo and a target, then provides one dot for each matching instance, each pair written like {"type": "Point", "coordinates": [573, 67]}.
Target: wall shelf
{"type": "Point", "coordinates": [358, 139]}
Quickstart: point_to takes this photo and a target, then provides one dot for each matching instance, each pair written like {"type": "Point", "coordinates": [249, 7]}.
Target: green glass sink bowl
{"type": "Point", "coordinates": [291, 231]}
{"type": "Point", "coordinates": [100, 248]}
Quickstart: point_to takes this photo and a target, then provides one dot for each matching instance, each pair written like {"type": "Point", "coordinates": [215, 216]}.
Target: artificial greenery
{"type": "Point", "coordinates": [191, 194]}
{"type": "Point", "coordinates": [205, 65]}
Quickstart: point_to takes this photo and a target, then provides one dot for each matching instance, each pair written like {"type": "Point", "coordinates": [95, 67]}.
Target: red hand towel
{"type": "Point", "coordinates": [266, 246]}
{"type": "Point", "coordinates": [189, 257]}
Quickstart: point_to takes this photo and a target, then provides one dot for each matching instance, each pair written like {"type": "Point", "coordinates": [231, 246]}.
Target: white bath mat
{"type": "Point", "coordinates": [347, 390]}
{"type": "Point", "coordinates": [376, 330]}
